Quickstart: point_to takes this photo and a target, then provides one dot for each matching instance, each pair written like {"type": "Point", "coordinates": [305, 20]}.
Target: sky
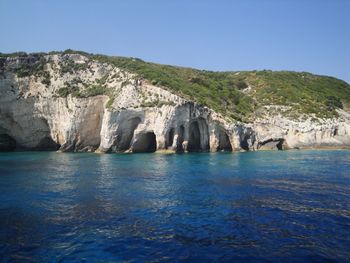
{"type": "Point", "coordinates": [219, 35]}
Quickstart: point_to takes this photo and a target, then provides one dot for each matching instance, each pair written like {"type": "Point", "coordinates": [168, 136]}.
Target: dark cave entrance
{"type": "Point", "coordinates": [125, 133]}
{"type": "Point", "coordinates": [145, 143]}
{"type": "Point", "coordinates": [47, 144]}
{"type": "Point", "coordinates": [279, 145]}
{"type": "Point", "coordinates": [224, 142]}
{"type": "Point", "coordinates": [7, 143]}
{"type": "Point", "coordinates": [244, 143]}
{"type": "Point", "coordinates": [180, 139]}
{"type": "Point", "coordinates": [198, 139]}
{"type": "Point", "coordinates": [335, 132]}
{"type": "Point", "coordinates": [170, 138]}
{"type": "Point", "coordinates": [194, 140]}
{"type": "Point", "coordinates": [272, 144]}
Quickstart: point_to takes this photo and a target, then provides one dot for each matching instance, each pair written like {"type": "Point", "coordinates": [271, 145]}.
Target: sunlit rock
{"type": "Point", "coordinates": [37, 112]}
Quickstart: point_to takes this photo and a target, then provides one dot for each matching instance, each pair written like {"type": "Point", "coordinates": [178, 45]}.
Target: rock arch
{"type": "Point", "coordinates": [146, 142]}
{"type": "Point", "coordinates": [125, 134]}
{"type": "Point", "coordinates": [272, 143]}
{"type": "Point", "coordinates": [224, 141]}
{"type": "Point", "coordinates": [198, 139]}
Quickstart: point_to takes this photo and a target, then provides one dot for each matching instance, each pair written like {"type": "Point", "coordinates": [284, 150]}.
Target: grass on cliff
{"type": "Point", "coordinates": [304, 92]}
{"type": "Point", "coordinates": [228, 92]}
{"type": "Point", "coordinates": [219, 91]}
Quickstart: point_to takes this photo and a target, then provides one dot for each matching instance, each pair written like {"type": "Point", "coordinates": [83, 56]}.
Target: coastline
{"type": "Point", "coordinates": [168, 151]}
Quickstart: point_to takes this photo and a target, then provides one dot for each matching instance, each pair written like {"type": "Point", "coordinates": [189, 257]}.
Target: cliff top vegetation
{"type": "Point", "coordinates": [236, 94]}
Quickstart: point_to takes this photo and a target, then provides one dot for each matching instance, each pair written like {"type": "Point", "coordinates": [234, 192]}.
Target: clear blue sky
{"type": "Point", "coordinates": [301, 35]}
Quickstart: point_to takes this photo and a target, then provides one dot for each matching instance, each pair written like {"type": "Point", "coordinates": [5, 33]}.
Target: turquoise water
{"type": "Point", "coordinates": [257, 206]}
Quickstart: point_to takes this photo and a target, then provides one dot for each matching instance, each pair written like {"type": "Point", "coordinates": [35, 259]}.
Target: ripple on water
{"type": "Point", "coordinates": [262, 206]}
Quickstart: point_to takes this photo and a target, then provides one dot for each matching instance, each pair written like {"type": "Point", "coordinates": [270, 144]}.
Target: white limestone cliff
{"type": "Point", "coordinates": [141, 118]}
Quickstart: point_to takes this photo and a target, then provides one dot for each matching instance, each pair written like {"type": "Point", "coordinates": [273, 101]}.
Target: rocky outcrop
{"type": "Point", "coordinates": [304, 133]}
{"type": "Point", "coordinates": [36, 114]}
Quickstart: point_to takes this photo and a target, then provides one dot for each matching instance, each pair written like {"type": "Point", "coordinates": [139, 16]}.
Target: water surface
{"type": "Point", "coordinates": [256, 206]}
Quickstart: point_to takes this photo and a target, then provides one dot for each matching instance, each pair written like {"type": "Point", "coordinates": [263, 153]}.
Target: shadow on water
{"type": "Point", "coordinates": [256, 206]}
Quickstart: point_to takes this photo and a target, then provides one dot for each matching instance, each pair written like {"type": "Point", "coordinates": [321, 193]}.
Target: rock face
{"type": "Point", "coordinates": [36, 114]}
{"type": "Point", "coordinates": [286, 133]}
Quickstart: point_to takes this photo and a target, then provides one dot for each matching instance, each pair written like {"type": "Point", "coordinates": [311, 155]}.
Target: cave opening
{"type": "Point", "coordinates": [145, 143]}
{"type": "Point", "coordinates": [194, 140]}
{"type": "Point", "coordinates": [125, 134]}
{"type": "Point", "coordinates": [7, 143]}
{"type": "Point", "coordinates": [244, 143]}
{"type": "Point", "coordinates": [272, 144]}
{"type": "Point", "coordinates": [47, 144]}
{"type": "Point", "coordinates": [224, 142]}
{"type": "Point", "coordinates": [335, 132]}
{"type": "Point", "coordinates": [170, 138]}
{"type": "Point", "coordinates": [279, 145]}
{"type": "Point", "coordinates": [180, 139]}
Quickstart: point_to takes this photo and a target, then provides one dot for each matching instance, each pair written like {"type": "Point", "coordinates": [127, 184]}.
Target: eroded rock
{"type": "Point", "coordinates": [33, 115]}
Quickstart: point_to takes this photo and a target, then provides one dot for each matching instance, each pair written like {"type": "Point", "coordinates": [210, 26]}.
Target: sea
{"type": "Point", "coordinates": [265, 206]}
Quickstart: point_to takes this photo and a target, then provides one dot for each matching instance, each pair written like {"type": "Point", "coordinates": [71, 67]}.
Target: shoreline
{"type": "Point", "coordinates": [326, 147]}
{"type": "Point", "coordinates": [168, 152]}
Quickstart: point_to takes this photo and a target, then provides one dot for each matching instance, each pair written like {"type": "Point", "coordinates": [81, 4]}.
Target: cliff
{"type": "Point", "coordinates": [73, 101]}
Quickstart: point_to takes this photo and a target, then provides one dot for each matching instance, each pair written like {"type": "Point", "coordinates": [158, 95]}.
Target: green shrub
{"type": "Point", "coordinates": [13, 55]}
{"type": "Point", "coordinates": [94, 90]}
{"type": "Point", "coordinates": [69, 66]}
{"type": "Point", "coordinates": [109, 103]}
{"type": "Point", "coordinates": [241, 85]}
{"type": "Point", "coordinates": [46, 78]}
{"type": "Point", "coordinates": [222, 91]}
{"type": "Point", "coordinates": [30, 68]}
{"type": "Point", "coordinates": [63, 92]}
{"type": "Point", "coordinates": [333, 103]}
{"type": "Point", "coordinates": [102, 80]}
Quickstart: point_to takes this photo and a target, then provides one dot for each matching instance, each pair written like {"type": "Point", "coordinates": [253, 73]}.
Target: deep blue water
{"type": "Point", "coordinates": [256, 206]}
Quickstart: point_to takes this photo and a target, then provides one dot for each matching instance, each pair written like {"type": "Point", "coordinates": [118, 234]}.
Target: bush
{"type": "Point", "coordinates": [94, 90]}
{"type": "Point", "coordinates": [69, 66]}
{"type": "Point", "coordinates": [222, 91]}
{"type": "Point", "coordinates": [63, 92]}
{"type": "Point", "coordinates": [109, 103]}
{"type": "Point", "coordinates": [46, 78]}
{"type": "Point", "coordinates": [333, 103]}
{"type": "Point", "coordinates": [29, 68]}
{"type": "Point", "coordinates": [241, 85]}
